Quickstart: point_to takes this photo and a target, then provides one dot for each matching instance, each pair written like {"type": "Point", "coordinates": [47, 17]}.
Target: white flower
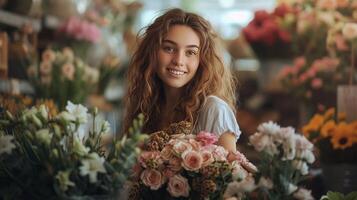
{"type": "Point", "coordinates": [79, 148]}
{"type": "Point", "coordinates": [237, 189]}
{"type": "Point", "coordinates": [6, 145]}
{"type": "Point", "coordinates": [287, 137]}
{"type": "Point", "coordinates": [238, 172]}
{"type": "Point", "coordinates": [265, 183]}
{"type": "Point", "coordinates": [303, 194]}
{"type": "Point", "coordinates": [91, 75]}
{"type": "Point", "coordinates": [43, 112]}
{"type": "Point", "coordinates": [270, 128]}
{"type": "Point", "coordinates": [92, 167]}
{"type": "Point", "coordinates": [78, 111]}
{"type": "Point", "coordinates": [105, 127]}
{"type": "Point", "coordinates": [292, 188]}
{"type": "Point", "coordinates": [44, 136]}
{"type": "Point", "coordinates": [63, 179]}
{"type": "Point", "coordinates": [66, 116]}
{"type": "Point", "coordinates": [349, 31]}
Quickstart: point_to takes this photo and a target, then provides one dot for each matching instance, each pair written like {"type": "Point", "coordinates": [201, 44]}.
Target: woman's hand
{"type": "Point", "coordinates": [228, 141]}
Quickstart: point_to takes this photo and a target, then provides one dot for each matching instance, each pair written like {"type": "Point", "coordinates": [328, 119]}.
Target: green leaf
{"type": "Point", "coordinates": [351, 196]}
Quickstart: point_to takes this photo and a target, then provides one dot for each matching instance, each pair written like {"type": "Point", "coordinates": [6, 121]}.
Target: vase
{"type": "Point", "coordinates": [340, 177]}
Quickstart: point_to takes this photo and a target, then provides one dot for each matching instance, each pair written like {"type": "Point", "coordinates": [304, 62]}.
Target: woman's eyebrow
{"type": "Point", "coordinates": [174, 43]}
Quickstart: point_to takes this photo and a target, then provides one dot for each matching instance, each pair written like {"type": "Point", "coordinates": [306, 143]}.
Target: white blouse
{"type": "Point", "coordinates": [217, 117]}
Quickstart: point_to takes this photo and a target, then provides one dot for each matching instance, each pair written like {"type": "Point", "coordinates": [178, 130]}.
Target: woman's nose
{"type": "Point", "coordinates": [179, 59]}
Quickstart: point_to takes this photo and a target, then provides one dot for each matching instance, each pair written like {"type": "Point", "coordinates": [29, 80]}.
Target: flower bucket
{"type": "Point", "coordinates": [340, 177]}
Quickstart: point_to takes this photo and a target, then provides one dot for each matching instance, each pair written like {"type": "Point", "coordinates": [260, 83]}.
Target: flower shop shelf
{"type": "Point", "coordinates": [18, 21]}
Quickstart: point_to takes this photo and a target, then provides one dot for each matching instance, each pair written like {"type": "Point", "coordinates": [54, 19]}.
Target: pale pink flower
{"type": "Point", "coordinates": [48, 56]}
{"type": "Point", "coordinates": [316, 83]}
{"type": "Point", "coordinates": [152, 178]}
{"type": "Point", "coordinates": [68, 54]}
{"type": "Point", "coordinates": [181, 146]}
{"type": "Point", "coordinates": [303, 194]}
{"type": "Point", "coordinates": [206, 138]}
{"type": "Point", "coordinates": [178, 186]}
{"type": "Point", "coordinates": [175, 164]}
{"type": "Point", "coordinates": [45, 68]}
{"type": "Point", "coordinates": [191, 160]}
{"type": "Point", "coordinates": [136, 170]}
{"type": "Point", "coordinates": [167, 152]}
{"type": "Point", "coordinates": [195, 144]}
{"type": "Point", "coordinates": [327, 4]}
{"type": "Point", "coordinates": [68, 71]}
{"type": "Point", "coordinates": [220, 153]}
{"type": "Point", "coordinates": [341, 43]}
{"type": "Point", "coordinates": [259, 141]}
{"type": "Point", "coordinates": [349, 31]}
{"type": "Point", "coordinates": [168, 173]}
{"type": "Point", "coordinates": [150, 159]}
{"type": "Point", "coordinates": [207, 158]}
{"type": "Point", "coordinates": [299, 62]}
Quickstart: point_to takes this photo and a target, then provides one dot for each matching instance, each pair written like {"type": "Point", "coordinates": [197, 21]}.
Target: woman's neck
{"type": "Point", "coordinates": [172, 97]}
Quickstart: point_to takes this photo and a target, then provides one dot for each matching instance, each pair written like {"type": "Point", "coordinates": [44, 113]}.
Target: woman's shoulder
{"type": "Point", "coordinates": [214, 102]}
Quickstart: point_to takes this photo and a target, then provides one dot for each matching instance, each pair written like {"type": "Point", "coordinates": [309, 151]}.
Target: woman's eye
{"type": "Point", "coordinates": [191, 53]}
{"type": "Point", "coordinates": [168, 49]}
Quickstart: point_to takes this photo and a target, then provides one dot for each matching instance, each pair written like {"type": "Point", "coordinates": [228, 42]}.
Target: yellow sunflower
{"type": "Point", "coordinates": [328, 128]}
{"type": "Point", "coordinates": [342, 136]}
{"type": "Point", "coordinates": [329, 113]}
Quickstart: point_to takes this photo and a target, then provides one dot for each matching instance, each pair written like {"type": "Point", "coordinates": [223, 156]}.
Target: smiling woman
{"type": "Point", "coordinates": [176, 74]}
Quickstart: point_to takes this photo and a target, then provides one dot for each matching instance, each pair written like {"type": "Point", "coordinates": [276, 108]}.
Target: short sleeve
{"type": "Point", "coordinates": [217, 117]}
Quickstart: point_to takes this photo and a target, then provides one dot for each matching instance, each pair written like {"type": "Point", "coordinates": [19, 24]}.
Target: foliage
{"type": "Point", "coordinates": [62, 157]}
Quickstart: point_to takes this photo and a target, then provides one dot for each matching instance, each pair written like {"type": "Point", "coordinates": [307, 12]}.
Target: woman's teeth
{"type": "Point", "coordinates": [176, 72]}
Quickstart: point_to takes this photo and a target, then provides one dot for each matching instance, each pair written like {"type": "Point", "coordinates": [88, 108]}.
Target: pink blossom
{"type": "Point", "coordinates": [150, 158]}
{"type": "Point", "coordinates": [178, 186]}
{"type": "Point", "coordinates": [219, 153]}
{"type": "Point", "coordinates": [316, 83]}
{"type": "Point", "coordinates": [207, 158]}
{"type": "Point", "coordinates": [341, 43]}
{"type": "Point", "coordinates": [175, 164]}
{"type": "Point", "coordinates": [68, 71]}
{"type": "Point", "coordinates": [206, 138]}
{"type": "Point", "coordinates": [152, 178]}
{"type": "Point", "coordinates": [179, 146]}
{"type": "Point", "coordinates": [81, 30]}
{"type": "Point", "coordinates": [191, 160]}
{"type": "Point", "coordinates": [167, 152]}
{"type": "Point", "coordinates": [299, 62]}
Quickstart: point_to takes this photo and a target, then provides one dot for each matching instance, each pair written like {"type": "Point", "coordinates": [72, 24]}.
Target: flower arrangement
{"type": "Point", "coordinates": [44, 156]}
{"type": "Point", "coordinates": [335, 138]}
{"type": "Point", "coordinates": [268, 33]}
{"type": "Point", "coordinates": [178, 165]}
{"type": "Point", "coordinates": [62, 77]}
{"type": "Point", "coordinates": [308, 80]}
{"type": "Point", "coordinates": [80, 29]}
{"type": "Point", "coordinates": [284, 159]}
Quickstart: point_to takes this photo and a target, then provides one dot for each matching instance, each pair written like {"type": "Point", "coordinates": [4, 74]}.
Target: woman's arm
{"type": "Point", "coordinates": [228, 141]}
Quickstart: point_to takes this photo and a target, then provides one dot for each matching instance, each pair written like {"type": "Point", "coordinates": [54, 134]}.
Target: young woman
{"type": "Point", "coordinates": [177, 74]}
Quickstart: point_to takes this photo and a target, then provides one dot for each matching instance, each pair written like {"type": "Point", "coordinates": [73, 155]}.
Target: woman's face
{"type": "Point", "coordinates": [178, 57]}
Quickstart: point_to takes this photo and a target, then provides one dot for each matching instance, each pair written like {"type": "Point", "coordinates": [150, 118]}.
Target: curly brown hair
{"type": "Point", "coordinates": [145, 90]}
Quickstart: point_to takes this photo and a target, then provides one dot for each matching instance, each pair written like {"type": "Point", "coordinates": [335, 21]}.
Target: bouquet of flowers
{"type": "Point", "coordinates": [62, 77]}
{"type": "Point", "coordinates": [335, 138]}
{"type": "Point", "coordinates": [309, 81]}
{"type": "Point", "coordinates": [178, 165]}
{"type": "Point", "coordinates": [268, 33]}
{"type": "Point", "coordinates": [60, 157]}
{"type": "Point", "coordinates": [284, 158]}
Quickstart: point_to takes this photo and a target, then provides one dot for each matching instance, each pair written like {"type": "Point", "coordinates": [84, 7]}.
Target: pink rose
{"type": "Point", "coordinates": [206, 138]}
{"type": "Point", "coordinates": [178, 186]}
{"type": "Point", "coordinates": [207, 158]}
{"type": "Point", "coordinates": [195, 144]}
{"type": "Point", "coordinates": [175, 164]}
{"type": "Point", "coordinates": [150, 159]}
{"type": "Point", "coordinates": [192, 160]}
{"type": "Point", "coordinates": [167, 152]}
{"type": "Point", "coordinates": [316, 83]}
{"type": "Point", "coordinates": [181, 146]}
{"type": "Point", "coordinates": [220, 153]}
{"type": "Point", "coordinates": [152, 178]}
{"type": "Point", "coordinates": [168, 173]}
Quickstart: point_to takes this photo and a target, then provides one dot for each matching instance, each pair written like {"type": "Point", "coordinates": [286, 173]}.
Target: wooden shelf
{"type": "Point", "coordinates": [18, 21]}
